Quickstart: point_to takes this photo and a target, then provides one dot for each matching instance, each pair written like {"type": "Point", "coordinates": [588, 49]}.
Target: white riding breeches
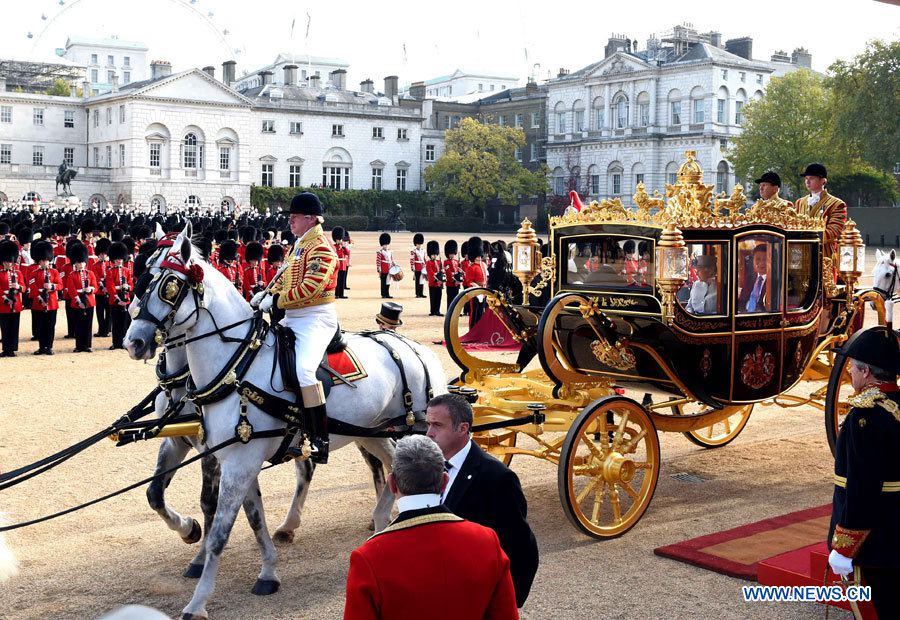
{"type": "Point", "coordinates": [314, 328]}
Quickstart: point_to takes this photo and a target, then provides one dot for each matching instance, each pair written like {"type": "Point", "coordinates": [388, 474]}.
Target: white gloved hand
{"type": "Point", "coordinates": [257, 299]}
{"type": "Point", "coordinates": [266, 304]}
{"type": "Point", "coordinates": [840, 563]}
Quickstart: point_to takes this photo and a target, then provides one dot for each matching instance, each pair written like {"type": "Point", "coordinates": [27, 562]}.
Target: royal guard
{"type": "Point", "coordinates": [131, 248]}
{"type": "Point", "coordinates": [44, 286]}
{"type": "Point", "coordinates": [417, 263]}
{"type": "Point", "coordinates": [11, 286]}
{"type": "Point", "coordinates": [274, 261]}
{"type": "Point", "coordinates": [64, 271]}
{"type": "Point", "coordinates": [81, 288]}
{"type": "Point", "coordinates": [227, 263]}
{"type": "Point", "coordinates": [248, 235]}
{"type": "Point", "coordinates": [435, 273]}
{"type": "Point", "coordinates": [864, 535]}
{"type": "Point", "coordinates": [476, 275]}
{"type": "Point", "coordinates": [100, 267]}
{"type": "Point", "coordinates": [384, 260]}
{"type": "Point", "coordinates": [60, 256]}
{"type": "Point", "coordinates": [348, 248]}
{"type": "Point", "coordinates": [453, 275]}
{"type": "Point", "coordinates": [821, 204]}
{"type": "Point", "coordinates": [120, 288]}
{"type": "Point", "coordinates": [253, 279]}
{"type": "Point", "coordinates": [343, 254]}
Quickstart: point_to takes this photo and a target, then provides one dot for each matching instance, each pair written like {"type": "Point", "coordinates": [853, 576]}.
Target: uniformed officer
{"type": "Point", "coordinates": [435, 272]}
{"type": "Point", "coordinates": [769, 186]}
{"type": "Point", "coordinates": [453, 275]}
{"type": "Point", "coordinates": [306, 293]}
{"type": "Point", "coordinates": [865, 517]}
{"type": "Point", "coordinates": [384, 260]}
{"type": "Point", "coordinates": [119, 286]}
{"type": "Point", "coordinates": [417, 263]}
{"type": "Point", "coordinates": [820, 203]}
{"type": "Point", "coordinates": [12, 284]}
{"type": "Point", "coordinates": [343, 254]}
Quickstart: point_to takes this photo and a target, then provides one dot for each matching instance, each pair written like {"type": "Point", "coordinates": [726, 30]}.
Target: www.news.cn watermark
{"type": "Point", "coordinates": [807, 594]}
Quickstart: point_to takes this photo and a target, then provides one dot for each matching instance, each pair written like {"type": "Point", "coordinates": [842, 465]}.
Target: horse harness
{"type": "Point", "coordinates": [889, 294]}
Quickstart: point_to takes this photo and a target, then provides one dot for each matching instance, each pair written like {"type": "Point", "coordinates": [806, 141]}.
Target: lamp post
{"type": "Point", "coordinates": [671, 267]}
{"type": "Point", "coordinates": [852, 253]}
{"type": "Point", "coordinates": [526, 256]}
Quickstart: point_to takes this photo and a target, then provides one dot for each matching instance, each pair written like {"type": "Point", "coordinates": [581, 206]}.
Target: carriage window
{"type": "Point", "coordinates": [610, 261]}
{"type": "Point", "coordinates": [704, 292]}
{"type": "Point", "coordinates": [802, 276]}
{"type": "Point", "coordinates": [759, 274]}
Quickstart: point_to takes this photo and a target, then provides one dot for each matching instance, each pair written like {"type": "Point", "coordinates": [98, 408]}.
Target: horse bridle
{"type": "Point", "coordinates": [889, 292]}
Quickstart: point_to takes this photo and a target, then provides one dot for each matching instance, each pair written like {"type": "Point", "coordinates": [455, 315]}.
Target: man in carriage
{"type": "Point", "coordinates": [820, 203]}
{"type": "Point", "coordinates": [769, 185]}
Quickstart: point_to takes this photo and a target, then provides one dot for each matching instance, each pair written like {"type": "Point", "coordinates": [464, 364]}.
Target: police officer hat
{"type": "Point", "coordinates": [450, 247]}
{"type": "Point", "coordinates": [254, 251]}
{"type": "Point", "coordinates": [390, 314]}
{"type": "Point", "coordinates": [769, 176]}
{"type": "Point", "coordinates": [78, 252]}
{"type": "Point", "coordinates": [433, 247]}
{"type": "Point", "coordinates": [337, 233]}
{"type": "Point", "coordinates": [418, 239]}
{"type": "Point", "coordinates": [876, 346]}
{"type": "Point", "coordinates": [305, 203]}
{"type": "Point", "coordinates": [41, 250]}
{"type": "Point", "coordinates": [228, 250]}
{"type": "Point", "coordinates": [275, 253]}
{"type": "Point", "coordinates": [474, 248]}
{"type": "Point", "coordinates": [815, 170]}
{"type": "Point", "coordinates": [9, 251]}
{"type": "Point", "coordinates": [384, 239]}
{"type": "Point", "coordinates": [102, 245]}
{"type": "Point", "coordinates": [118, 251]}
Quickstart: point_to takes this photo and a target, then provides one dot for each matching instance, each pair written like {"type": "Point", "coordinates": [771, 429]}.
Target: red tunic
{"type": "Point", "coordinates": [119, 284]}
{"type": "Point", "coordinates": [451, 267]}
{"type": "Point", "coordinates": [383, 261]}
{"type": "Point", "coordinates": [253, 281]}
{"type": "Point", "coordinates": [432, 268]}
{"type": "Point", "coordinates": [476, 274]}
{"type": "Point", "coordinates": [100, 268]}
{"type": "Point", "coordinates": [85, 281]}
{"type": "Point", "coordinates": [270, 270]}
{"type": "Point", "coordinates": [343, 254]}
{"type": "Point", "coordinates": [39, 277]}
{"type": "Point", "coordinates": [230, 271]}
{"type": "Point", "coordinates": [464, 266]}
{"type": "Point", "coordinates": [11, 300]}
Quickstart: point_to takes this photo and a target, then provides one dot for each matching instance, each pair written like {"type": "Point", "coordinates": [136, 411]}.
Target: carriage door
{"type": "Point", "coordinates": [758, 349]}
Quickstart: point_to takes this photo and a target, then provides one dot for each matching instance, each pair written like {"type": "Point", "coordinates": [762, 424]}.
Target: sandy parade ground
{"type": "Point", "coordinates": [119, 552]}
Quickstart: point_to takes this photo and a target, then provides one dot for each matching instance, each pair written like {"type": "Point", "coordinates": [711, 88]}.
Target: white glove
{"type": "Point", "coordinates": [840, 563]}
{"type": "Point", "coordinates": [266, 304]}
{"type": "Point", "coordinates": [257, 299]}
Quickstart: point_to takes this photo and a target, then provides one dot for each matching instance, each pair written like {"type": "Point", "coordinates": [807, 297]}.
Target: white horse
{"type": "Point", "coordinates": [886, 280]}
{"type": "Point", "coordinates": [190, 300]}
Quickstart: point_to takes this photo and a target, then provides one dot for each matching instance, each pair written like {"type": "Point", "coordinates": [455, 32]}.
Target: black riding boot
{"type": "Point", "coordinates": [317, 425]}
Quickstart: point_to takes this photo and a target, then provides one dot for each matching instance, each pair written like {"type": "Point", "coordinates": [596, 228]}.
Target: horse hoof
{"type": "Point", "coordinates": [195, 535]}
{"type": "Point", "coordinates": [264, 587]}
{"type": "Point", "coordinates": [193, 617]}
{"type": "Point", "coordinates": [283, 537]}
{"type": "Point", "coordinates": [371, 526]}
{"type": "Point", "coordinates": [193, 571]}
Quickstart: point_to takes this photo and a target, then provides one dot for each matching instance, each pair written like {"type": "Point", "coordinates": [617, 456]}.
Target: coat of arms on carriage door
{"type": "Point", "coordinates": [757, 368]}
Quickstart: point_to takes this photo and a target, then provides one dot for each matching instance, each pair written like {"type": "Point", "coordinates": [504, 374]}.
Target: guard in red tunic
{"type": "Point", "coordinates": [417, 264]}
{"type": "Point", "coordinates": [11, 286]}
{"type": "Point", "coordinates": [100, 267]}
{"type": "Point", "coordinates": [81, 288]}
{"type": "Point", "coordinates": [274, 261]}
{"type": "Point", "coordinates": [348, 246]}
{"type": "Point", "coordinates": [453, 275]}
{"type": "Point", "coordinates": [435, 272]}
{"type": "Point", "coordinates": [384, 260]}
{"type": "Point", "coordinates": [227, 263]}
{"type": "Point", "coordinates": [120, 285]}
{"type": "Point", "coordinates": [476, 275]}
{"type": "Point", "coordinates": [343, 254]}
{"type": "Point", "coordinates": [44, 286]}
{"type": "Point", "coordinates": [253, 279]}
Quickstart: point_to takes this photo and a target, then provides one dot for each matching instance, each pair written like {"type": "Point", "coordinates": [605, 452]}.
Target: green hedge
{"type": "Point", "coordinates": [347, 202]}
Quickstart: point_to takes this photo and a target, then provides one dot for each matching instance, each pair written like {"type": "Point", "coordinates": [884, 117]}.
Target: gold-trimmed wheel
{"type": "Point", "coordinates": [720, 433]}
{"type": "Point", "coordinates": [608, 467]}
{"type": "Point", "coordinates": [836, 404]}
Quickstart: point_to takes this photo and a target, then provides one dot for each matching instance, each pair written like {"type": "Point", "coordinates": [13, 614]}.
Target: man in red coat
{"type": "Point", "coordinates": [44, 287]}
{"type": "Point", "coordinates": [11, 286]}
{"type": "Point", "coordinates": [81, 288]}
{"type": "Point", "coordinates": [453, 275]}
{"type": "Point", "coordinates": [120, 286]}
{"type": "Point", "coordinates": [428, 563]}
{"type": "Point", "coordinates": [435, 272]}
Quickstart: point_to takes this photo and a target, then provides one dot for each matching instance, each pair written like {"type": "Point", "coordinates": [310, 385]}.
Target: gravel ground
{"type": "Point", "coordinates": [119, 552]}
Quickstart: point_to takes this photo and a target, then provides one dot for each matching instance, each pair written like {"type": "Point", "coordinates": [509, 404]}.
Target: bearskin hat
{"type": "Point", "coordinates": [205, 247]}
{"type": "Point", "coordinates": [253, 251]}
{"type": "Point", "coordinates": [275, 254]}
{"type": "Point", "coordinates": [62, 229]}
{"type": "Point", "coordinates": [142, 232]}
{"type": "Point", "coordinates": [4, 227]}
{"type": "Point", "coordinates": [337, 233]}
{"type": "Point", "coordinates": [433, 247]}
{"type": "Point", "coordinates": [87, 226]}
{"type": "Point", "coordinates": [464, 249]}
{"type": "Point", "coordinates": [288, 237]}
{"type": "Point", "coordinates": [248, 234]}
{"type": "Point", "coordinates": [70, 242]}
{"type": "Point", "coordinates": [24, 234]}
{"type": "Point", "coordinates": [117, 251]}
{"type": "Point", "coordinates": [130, 244]}
{"type": "Point", "coordinates": [228, 250]}
{"type": "Point", "coordinates": [116, 234]}
{"type": "Point", "coordinates": [41, 250]}
{"type": "Point", "coordinates": [9, 251]}
{"type": "Point", "coordinates": [450, 247]}
{"type": "Point", "coordinates": [474, 248]}
{"type": "Point", "coordinates": [384, 239]}
{"type": "Point", "coordinates": [232, 234]}
{"type": "Point", "coordinates": [346, 237]}
{"type": "Point", "coordinates": [102, 246]}
{"type": "Point", "coordinates": [220, 235]}
{"type": "Point", "coordinates": [418, 239]}
{"type": "Point", "coordinates": [78, 252]}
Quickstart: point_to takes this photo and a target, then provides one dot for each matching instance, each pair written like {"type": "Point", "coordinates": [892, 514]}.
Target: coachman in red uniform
{"type": "Point", "coordinates": [435, 273]}
{"type": "Point", "coordinates": [120, 284]}
{"type": "Point", "coordinates": [81, 288]}
{"type": "Point", "coordinates": [11, 286]}
{"type": "Point", "coordinates": [453, 275]}
{"type": "Point", "coordinates": [44, 286]}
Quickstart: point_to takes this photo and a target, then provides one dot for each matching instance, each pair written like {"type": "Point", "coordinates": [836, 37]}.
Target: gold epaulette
{"type": "Point", "coordinates": [847, 542]}
{"type": "Point", "coordinates": [873, 397]}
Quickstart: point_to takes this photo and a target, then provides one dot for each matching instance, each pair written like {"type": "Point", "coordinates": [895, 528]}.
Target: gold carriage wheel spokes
{"type": "Point", "coordinates": [836, 400]}
{"type": "Point", "coordinates": [720, 433]}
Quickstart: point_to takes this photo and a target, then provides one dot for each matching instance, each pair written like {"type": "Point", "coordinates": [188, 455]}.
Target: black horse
{"type": "Point", "coordinates": [65, 178]}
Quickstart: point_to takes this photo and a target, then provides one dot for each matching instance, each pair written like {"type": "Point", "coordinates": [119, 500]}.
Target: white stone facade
{"type": "Point", "coordinates": [307, 66]}
{"type": "Point", "coordinates": [127, 60]}
{"type": "Point", "coordinates": [460, 83]}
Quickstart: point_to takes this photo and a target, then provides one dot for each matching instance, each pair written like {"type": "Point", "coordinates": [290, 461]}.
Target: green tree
{"type": "Point", "coordinates": [866, 104]}
{"type": "Point", "coordinates": [60, 88]}
{"type": "Point", "coordinates": [479, 165]}
{"type": "Point", "coordinates": [786, 130]}
{"type": "Point", "coordinates": [863, 185]}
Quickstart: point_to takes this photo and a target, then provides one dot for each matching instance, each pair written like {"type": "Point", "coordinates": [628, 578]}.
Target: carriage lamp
{"type": "Point", "coordinates": [852, 256]}
{"type": "Point", "coordinates": [526, 256]}
{"type": "Point", "coordinates": [671, 267]}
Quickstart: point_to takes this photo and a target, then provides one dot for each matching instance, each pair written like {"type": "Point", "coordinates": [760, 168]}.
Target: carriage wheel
{"type": "Point", "coordinates": [836, 405]}
{"type": "Point", "coordinates": [722, 432]}
{"type": "Point", "coordinates": [608, 467]}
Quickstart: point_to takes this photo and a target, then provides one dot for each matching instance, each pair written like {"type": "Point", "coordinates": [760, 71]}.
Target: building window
{"type": "Point", "coordinates": [579, 120]}
{"type": "Point", "coordinates": [676, 113]}
{"type": "Point", "coordinates": [446, 122]}
{"type": "Point", "coordinates": [518, 154]}
{"type": "Point", "coordinates": [224, 158]}
{"type": "Point", "coordinates": [722, 177]}
{"type": "Point", "coordinates": [121, 114]}
{"type": "Point", "coordinates": [454, 122]}
{"type": "Point", "coordinates": [560, 122]}
{"type": "Point", "coordinates": [501, 120]}
{"type": "Point", "coordinates": [110, 75]}
{"type": "Point", "coordinates": [429, 152]}
{"type": "Point", "coordinates": [759, 78]}
{"type": "Point", "coordinates": [535, 120]}
{"type": "Point", "coordinates": [559, 185]}
{"type": "Point", "coordinates": [520, 120]}
{"type": "Point", "coordinates": [155, 150]}
{"type": "Point", "coordinates": [621, 113]}
{"type": "Point", "coordinates": [121, 156]}
{"type": "Point", "coordinates": [109, 161]}
{"type": "Point", "coordinates": [720, 111]}
{"type": "Point", "coordinates": [294, 175]}
{"type": "Point", "coordinates": [6, 114]}
{"type": "Point", "coordinates": [699, 111]}
{"type": "Point", "coordinates": [672, 178]}
{"type": "Point", "coordinates": [600, 119]}
{"type": "Point", "coordinates": [644, 114]}
{"type": "Point", "coordinates": [297, 127]}
{"type": "Point", "coordinates": [93, 59]}
{"type": "Point", "coordinates": [401, 180]}
{"type": "Point", "coordinates": [492, 87]}
{"type": "Point", "coordinates": [743, 76]}
{"type": "Point", "coordinates": [336, 177]}
{"type": "Point", "coordinates": [481, 88]}
{"type": "Point", "coordinates": [68, 118]}
{"type": "Point", "coordinates": [594, 184]}
{"type": "Point", "coordinates": [738, 112]}
{"type": "Point", "coordinates": [37, 156]}
{"type": "Point", "coordinates": [189, 150]}
{"type": "Point", "coordinates": [268, 175]}
{"type": "Point", "coordinates": [638, 178]}
{"type": "Point", "coordinates": [378, 133]}
{"type": "Point", "coordinates": [38, 116]}
{"type": "Point", "coordinates": [617, 183]}
{"type": "Point", "coordinates": [95, 76]}
{"type": "Point", "coordinates": [193, 201]}
{"type": "Point", "coordinates": [268, 126]}
{"type": "Point", "coordinates": [126, 79]}
{"type": "Point", "coordinates": [5, 153]}
{"type": "Point", "coordinates": [110, 61]}
{"type": "Point", "coordinates": [337, 131]}
{"type": "Point", "coordinates": [376, 178]}
{"type": "Point", "coordinates": [126, 61]}
{"type": "Point", "coordinates": [69, 155]}
{"type": "Point", "coordinates": [109, 116]}
{"type": "Point", "coordinates": [534, 151]}
{"type": "Point", "coordinates": [724, 74]}
{"type": "Point", "coordinates": [96, 157]}
{"type": "Point", "coordinates": [401, 134]}
{"type": "Point", "coordinates": [723, 144]}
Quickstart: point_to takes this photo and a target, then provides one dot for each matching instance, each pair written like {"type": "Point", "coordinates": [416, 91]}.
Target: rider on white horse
{"type": "Point", "coordinates": [306, 293]}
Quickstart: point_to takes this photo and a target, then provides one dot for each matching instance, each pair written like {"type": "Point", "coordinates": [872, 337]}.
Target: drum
{"type": "Point", "coordinates": [396, 273]}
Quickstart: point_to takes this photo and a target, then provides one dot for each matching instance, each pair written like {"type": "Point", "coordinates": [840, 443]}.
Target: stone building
{"type": "Point", "coordinates": [106, 59]}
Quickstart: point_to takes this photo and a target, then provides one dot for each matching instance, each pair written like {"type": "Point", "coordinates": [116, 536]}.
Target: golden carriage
{"type": "Point", "coordinates": [699, 304]}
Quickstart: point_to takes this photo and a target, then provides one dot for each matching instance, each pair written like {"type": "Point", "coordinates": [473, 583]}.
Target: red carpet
{"type": "Point", "coordinates": [489, 334]}
{"type": "Point", "coordinates": [737, 552]}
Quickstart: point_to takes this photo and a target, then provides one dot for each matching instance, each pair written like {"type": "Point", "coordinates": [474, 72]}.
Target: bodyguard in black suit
{"type": "Point", "coordinates": [482, 489]}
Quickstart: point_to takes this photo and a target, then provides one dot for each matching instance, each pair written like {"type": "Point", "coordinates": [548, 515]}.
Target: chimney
{"type": "Point", "coordinates": [417, 90]}
{"type": "Point", "coordinates": [742, 47]}
{"type": "Point", "coordinates": [367, 86]}
{"type": "Point", "coordinates": [73, 89]}
{"type": "Point", "coordinates": [616, 43]}
{"type": "Point", "coordinates": [802, 58]}
{"type": "Point", "coordinates": [160, 68]}
{"type": "Point", "coordinates": [85, 89]}
{"type": "Point", "coordinates": [390, 87]}
{"type": "Point", "coordinates": [313, 81]}
{"type": "Point", "coordinates": [210, 71]}
{"type": "Point", "coordinates": [338, 77]}
{"type": "Point", "coordinates": [290, 75]}
{"type": "Point", "coordinates": [531, 87]}
{"type": "Point", "coordinates": [562, 73]}
{"type": "Point", "coordinates": [266, 77]}
{"type": "Point", "coordinates": [715, 39]}
{"type": "Point", "coordinates": [115, 83]}
{"type": "Point", "coordinates": [228, 72]}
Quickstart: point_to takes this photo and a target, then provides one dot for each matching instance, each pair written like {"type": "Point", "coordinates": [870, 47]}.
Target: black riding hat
{"type": "Point", "coordinates": [305, 203]}
{"type": "Point", "coordinates": [769, 177]}
{"type": "Point", "coordinates": [876, 346]}
{"type": "Point", "coordinates": [815, 170]}
{"type": "Point", "coordinates": [390, 314]}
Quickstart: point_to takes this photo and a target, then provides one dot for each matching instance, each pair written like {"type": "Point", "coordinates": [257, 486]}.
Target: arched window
{"type": "Point", "coordinates": [722, 105]}
{"type": "Point", "coordinates": [598, 113]}
{"type": "Point", "coordinates": [559, 181]}
{"type": "Point", "coordinates": [578, 115]}
{"type": "Point", "coordinates": [227, 203]}
{"type": "Point", "coordinates": [740, 98]}
{"type": "Point", "coordinates": [698, 106]}
{"type": "Point", "coordinates": [637, 174]}
{"type": "Point", "coordinates": [643, 103]}
{"type": "Point", "coordinates": [189, 152]}
{"type": "Point", "coordinates": [675, 117]}
{"type": "Point", "coordinates": [620, 104]}
{"type": "Point", "coordinates": [593, 180]}
{"type": "Point", "coordinates": [99, 200]}
{"type": "Point", "coordinates": [559, 112]}
{"type": "Point", "coordinates": [336, 167]}
{"type": "Point", "coordinates": [722, 177]}
{"type": "Point", "coordinates": [193, 201]}
{"type": "Point", "coordinates": [3, 198]}
{"type": "Point", "coordinates": [614, 181]}
{"type": "Point", "coordinates": [31, 197]}
{"type": "Point", "coordinates": [158, 203]}
{"type": "Point", "coordinates": [671, 173]}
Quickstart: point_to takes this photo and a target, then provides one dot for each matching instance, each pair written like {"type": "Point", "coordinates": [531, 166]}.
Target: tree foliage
{"type": "Point", "coordinates": [60, 88]}
{"type": "Point", "coordinates": [479, 165]}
